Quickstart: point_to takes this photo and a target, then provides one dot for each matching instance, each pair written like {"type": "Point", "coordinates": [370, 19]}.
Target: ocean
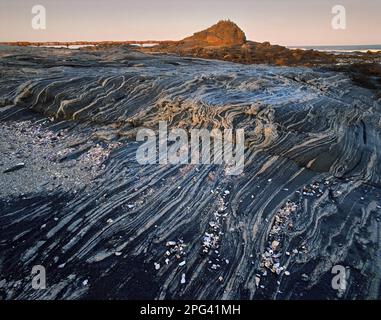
{"type": "Point", "coordinates": [353, 48]}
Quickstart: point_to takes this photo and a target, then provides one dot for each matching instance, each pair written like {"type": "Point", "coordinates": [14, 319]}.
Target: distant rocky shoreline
{"type": "Point", "coordinates": [226, 41]}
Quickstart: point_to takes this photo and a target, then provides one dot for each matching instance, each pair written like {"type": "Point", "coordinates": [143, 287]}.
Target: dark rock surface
{"type": "Point", "coordinates": [106, 227]}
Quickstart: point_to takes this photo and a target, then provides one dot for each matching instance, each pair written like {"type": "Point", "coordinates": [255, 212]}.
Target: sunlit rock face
{"type": "Point", "coordinates": [105, 226]}
{"type": "Point", "coordinates": [220, 34]}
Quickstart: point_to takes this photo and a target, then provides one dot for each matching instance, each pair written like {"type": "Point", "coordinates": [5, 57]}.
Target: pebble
{"type": "Point", "coordinates": [305, 277]}
{"type": "Point", "coordinates": [257, 281]}
{"type": "Point", "coordinates": [16, 167]}
{"type": "Point", "coordinates": [274, 245]}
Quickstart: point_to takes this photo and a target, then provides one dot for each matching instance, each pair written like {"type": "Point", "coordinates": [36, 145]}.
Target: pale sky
{"type": "Point", "coordinates": [285, 22]}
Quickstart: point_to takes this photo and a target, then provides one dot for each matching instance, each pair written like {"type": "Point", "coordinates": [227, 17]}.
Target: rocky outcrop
{"type": "Point", "coordinates": [105, 226]}
{"type": "Point", "coordinates": [226, 41]}
{"type": "Point", "coordinates": [223, 33]}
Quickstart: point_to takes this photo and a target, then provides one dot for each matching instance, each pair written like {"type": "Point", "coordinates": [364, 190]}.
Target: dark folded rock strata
{"type": "Point", "coordinates": [312, 144]}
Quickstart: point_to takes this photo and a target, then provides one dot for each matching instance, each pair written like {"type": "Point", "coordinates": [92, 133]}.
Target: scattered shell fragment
{"type": "Point", "coordinates": [257, 281]}
{"type": "Point", "coordinates": [274, 245]}
{"type": "Point", "coordinates": [305, 277]}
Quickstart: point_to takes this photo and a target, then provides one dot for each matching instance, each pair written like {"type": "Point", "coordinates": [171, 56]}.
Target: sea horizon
{"type": "Point", "coordinates": [340, 48]}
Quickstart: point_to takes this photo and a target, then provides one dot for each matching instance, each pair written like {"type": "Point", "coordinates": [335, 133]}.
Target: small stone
{"type": "Point", "coordinates": [16, 167]}
{"type": "Point", "coordinates": [257, 280]}
{"type": "Point", "coordinates": [305, 277]}
{"type": "Point", "coordinates": [274, 245]}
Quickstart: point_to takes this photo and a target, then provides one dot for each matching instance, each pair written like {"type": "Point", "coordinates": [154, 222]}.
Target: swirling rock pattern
{"type": "Point", "coordinates": [106, 227]}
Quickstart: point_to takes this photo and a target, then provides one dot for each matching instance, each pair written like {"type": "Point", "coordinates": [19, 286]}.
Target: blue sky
{"type": "Point", "coordinates": [286, 22]}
